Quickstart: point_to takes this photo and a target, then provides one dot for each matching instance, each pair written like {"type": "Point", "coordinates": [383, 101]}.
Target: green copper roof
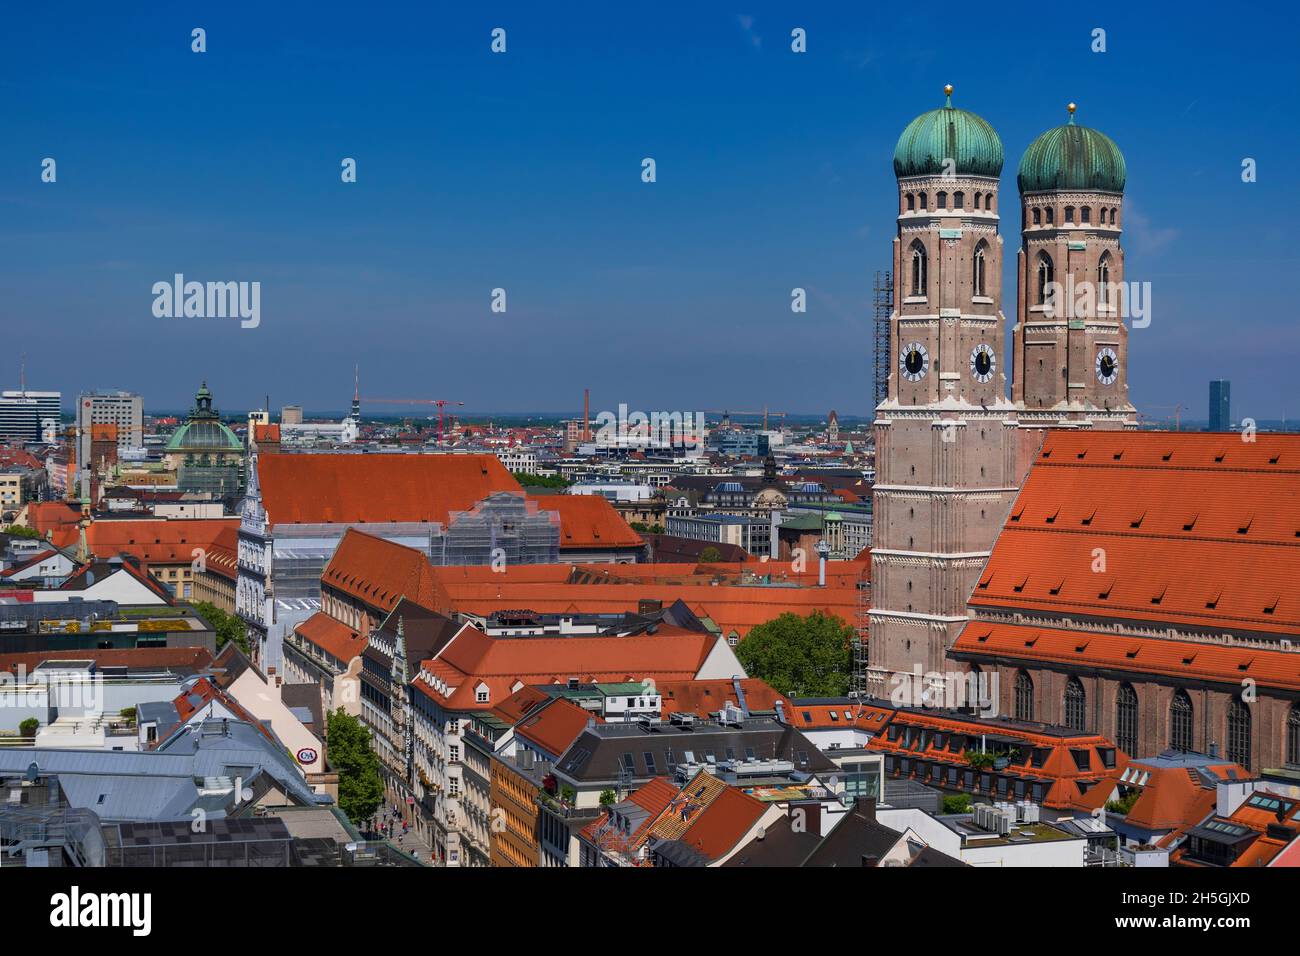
{"type": "Point", "coordinates": [948, 133]}
{"type": "Point", "coordinates": [202, 436]}
{"type": "Point", "coordinates": [1072, 157]}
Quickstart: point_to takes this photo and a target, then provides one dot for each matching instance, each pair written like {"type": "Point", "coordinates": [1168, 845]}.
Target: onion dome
{"type": "Point", "coordinates": [948, 133]}
{"type": "Point", "coordinates": [1072, 157]}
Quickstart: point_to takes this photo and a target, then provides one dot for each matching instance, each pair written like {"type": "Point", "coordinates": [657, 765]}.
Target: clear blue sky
{"type": "Point", "coordinates": [523, 171]}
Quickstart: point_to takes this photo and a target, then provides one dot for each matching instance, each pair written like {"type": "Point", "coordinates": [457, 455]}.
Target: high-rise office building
{"type": "Point", "coordinates": [48, 404]}
{"type": "Point", "coordinates": [1220, 405]}
{"type": "Point", "coordinates": [122, 409]}
{"type": "Point", "coordinates": [20, 419]}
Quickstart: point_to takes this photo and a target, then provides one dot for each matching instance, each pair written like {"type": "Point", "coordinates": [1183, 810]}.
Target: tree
{"type": "Point", "coordinates": [22, 531]}
{"type": "Point", "coordinates": [541, 481]}
{"type": "Point", "coordinates": [347, 750]}
{"type": "Point", "coordinates": [710, 555]}
{"type": "Point", "coordinates": [608, 797]}
{"type": "Point", "coordinates": [227, 626]}
{"type": "Point", "coordinates": [808, 656]}
{"type": "Point", "coordinates": [959, 803]}
{"type": "Point", "coordinates": [28, 727]}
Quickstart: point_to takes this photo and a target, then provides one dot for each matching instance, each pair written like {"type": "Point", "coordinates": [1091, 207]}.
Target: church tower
{"type": "Point", "coordinates": [946, 433]}
{"type": "Point", "coordinates": [1070, 344]}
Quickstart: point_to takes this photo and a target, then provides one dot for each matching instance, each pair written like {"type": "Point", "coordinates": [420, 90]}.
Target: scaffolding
{"type": "Point", "coordinates": [862, 627]}
{"type": "Point", "coordinates": [883, 302]}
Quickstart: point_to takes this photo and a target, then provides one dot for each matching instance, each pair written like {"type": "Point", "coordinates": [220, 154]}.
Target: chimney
{"type": "Point", "coordinates": [866, 807]}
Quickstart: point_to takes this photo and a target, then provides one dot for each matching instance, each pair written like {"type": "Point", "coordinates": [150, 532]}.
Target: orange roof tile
{"type": "Point", "coordinates": [1225, 664]}
{"type": "Point", "coordinates": [717, 830]}
{"type": "Point", "coordinates": [1194, 529]}
{"type": "Point", "coordinates": [708, 696]}
{"type": "Point", "coordinates": [379, 572]}
{"type": "Point", "coordinates": [354, 489]}
{"type": "Point", "coordinates": [589, 522]}
{"type": "Point", "coordinates": [556, 725]}
{"type": "Point", "coordinates": [331, 636]}
{"type": "Point", "coordinates": [152, 540]}
{"type": "Point", "coordinates": [472, 658]}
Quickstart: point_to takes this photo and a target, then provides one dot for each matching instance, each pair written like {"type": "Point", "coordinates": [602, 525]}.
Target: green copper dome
{"type": "Point", "coordinates": [1072, 157]}
{"type": "Point", "coordinates": [948, 133]}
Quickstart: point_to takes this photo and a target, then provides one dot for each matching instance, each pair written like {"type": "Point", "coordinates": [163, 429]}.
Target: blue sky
{"type": "Point", "coordinates": [522, 171]}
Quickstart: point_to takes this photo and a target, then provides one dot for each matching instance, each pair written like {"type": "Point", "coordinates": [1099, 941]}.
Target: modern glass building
{"type": "Point", "coordinates": [1220, 405]}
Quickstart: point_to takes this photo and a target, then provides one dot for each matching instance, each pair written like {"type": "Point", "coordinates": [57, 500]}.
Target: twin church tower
{"type": "Point", "coordinates": [951, 447]}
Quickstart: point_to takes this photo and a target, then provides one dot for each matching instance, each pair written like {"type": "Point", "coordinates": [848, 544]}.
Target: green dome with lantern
{"type": "Point", "coordinates": [1072, 157]}
{"type": "Point", "coordinates": [933, 138]}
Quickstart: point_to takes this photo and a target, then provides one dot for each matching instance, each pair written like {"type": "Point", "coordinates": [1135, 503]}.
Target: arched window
{"type": "Point", "coordinates": [1112, 215]}
{"type": "Point", "coordinates": [1075, 704]}
{"type": "Point", "coordinates": [1293, 736]}
{"type": "Point", "coordinates": [1038, 216]}
{"type": "Point", "coordinates": [1103, 279]}
{"type": "Point", "coordinates": [1126, 719]}
{"type": "Point", "coordinates": [1069, 214]}
{"type": "Point", "coordinates": [959, 200]}
{"type": "Point", "coordinates": [918, 268]}
{"type": "Point", "coordinates": [942, 200]}
{"type": "Point", "coordinates": [911, 202]}
{"type": "Point", "coordinates": [1086, 212]}
{"type": "Point", "coordinates": [1180, 721]}
{"type": "Point", "coordinates": [1051, 215]}
{"type": "Point", "coordinates": [977, 269]}
{"type": "Point", "coordinates": [1239, 732]}
{"type": "Point", "coordinates": [1024, 696]}
{"type": "Point", "coordinates": [923, 200]}
{"type": "Point", "coordinates": [988, 201]}
{"type": "Point", "coordinates": [1046, 276]}
{"type": "Point", "coordinates": [977, 200]}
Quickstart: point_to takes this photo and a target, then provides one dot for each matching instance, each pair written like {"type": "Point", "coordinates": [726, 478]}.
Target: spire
{"type": "Point", "coordinates": [1071, 107]}
{"type": "Point", "coordinates": [947, 92]}
{"type": "Point", "coordinates": [356, 392]}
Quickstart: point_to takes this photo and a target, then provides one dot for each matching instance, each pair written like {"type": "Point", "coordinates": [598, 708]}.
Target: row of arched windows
{"type": "Point", "coordinates": [1181, 719]}
{"type": "Point", "coordinates": [919, 268]}
{"type": "Point", "coordinates": [1105, 216]}
{"type": "Point", "coordinates": [921, 200]}
{"type": "Point", "coordinates": [1046, 272]}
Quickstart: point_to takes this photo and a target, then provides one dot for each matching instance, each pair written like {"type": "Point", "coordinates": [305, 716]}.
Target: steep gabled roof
{"type": "Point", "coordinates": [1194, 529]}
{"type": "Point", "coordinates": [589, 522]}
{"type": "Point", "coordinates": [358, 489]}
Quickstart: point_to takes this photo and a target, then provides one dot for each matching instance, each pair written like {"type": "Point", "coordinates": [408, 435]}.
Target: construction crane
{"type": "Point", "coordinates": [1177, 418]}
{"type": "Point", "coordinates": [440, 402]}
{"type": "Point", "coordinates": [765, 413]}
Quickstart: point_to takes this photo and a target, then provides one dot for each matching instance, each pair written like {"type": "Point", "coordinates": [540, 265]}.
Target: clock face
{"type": "Point", "coordinates": [1107, 366]}
{"type": "Point", "coordinates": [982, 363]}
{"type": "Point", "coordinates": [915, 362]}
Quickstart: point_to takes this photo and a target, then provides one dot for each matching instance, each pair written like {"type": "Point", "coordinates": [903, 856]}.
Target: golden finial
{"type": "Point", "coordinates": [1071, 108]}
{"type": "Point", "coordinates": [947, 91]}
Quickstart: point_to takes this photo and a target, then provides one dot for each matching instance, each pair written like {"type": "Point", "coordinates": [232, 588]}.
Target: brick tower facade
{"type": "Point", "coordinates": [1070, 349]}
{"type": "Point", "coordinates": [946, 436]}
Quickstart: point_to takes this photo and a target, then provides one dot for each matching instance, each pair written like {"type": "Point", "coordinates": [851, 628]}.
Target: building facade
{"type": "Point", "coordinates": [946, 442]}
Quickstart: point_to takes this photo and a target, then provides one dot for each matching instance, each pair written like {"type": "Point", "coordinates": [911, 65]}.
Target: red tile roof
{"type": "Point", "coordinates": [379, 572]}
{"type": "Point", "coordinates": [152, 540]}
{"type": "Point", "coordinates": [44, 516]}
{"type": "Point", "coordinates": [654, 797]}
{"type": "Point", "coordinates": [1067, 785]}
{"type": "Point", "coordinates": [589, 522]}
{"type": "Point", "coordinates": [472, 658]}
{"type": "Point", "coordinates": [709, 696]}
{"type": "Point", "coordinates": [331, 636]}
{"type": "Point", "coordinates": [354, 489]}
{"type": "Point", "coordinates": [223, 554]}
{"type": "Point", "coordinates": [723, 823]}
{"type": "Point", "coordinates": [554, 726]}
{"type": "Point", "coordinates": [1187, 660]}
{"type": "Point", "coordinates": [1194, 529]}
